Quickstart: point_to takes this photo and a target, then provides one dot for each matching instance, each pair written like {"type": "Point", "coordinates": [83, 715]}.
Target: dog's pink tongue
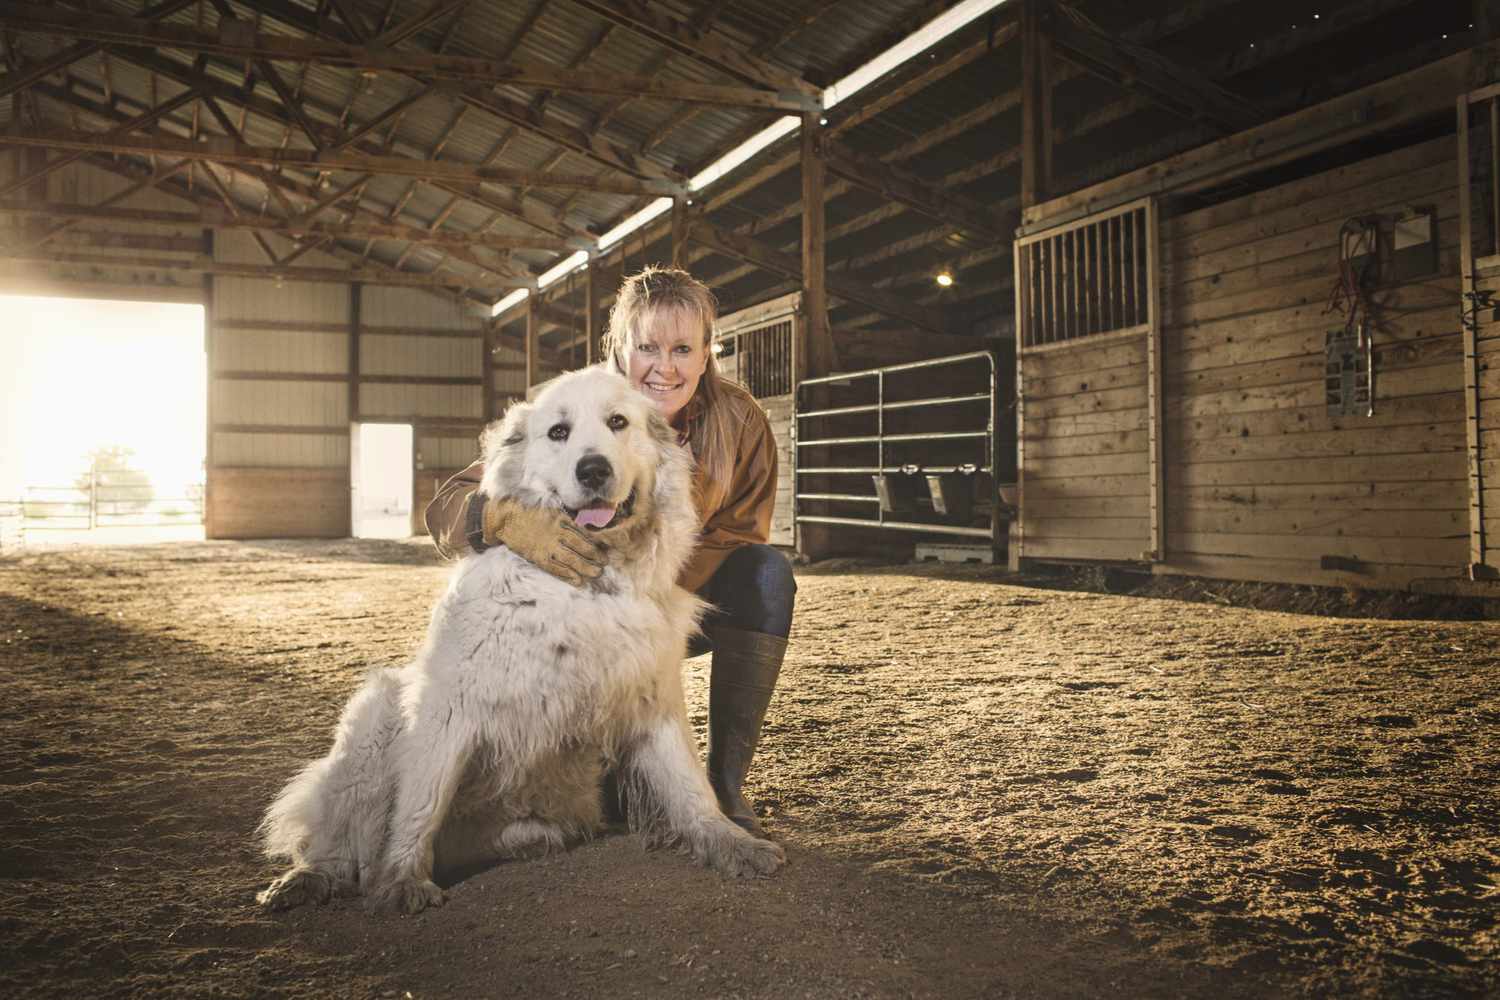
{"type": "Point", "coordinates": [595, 515]}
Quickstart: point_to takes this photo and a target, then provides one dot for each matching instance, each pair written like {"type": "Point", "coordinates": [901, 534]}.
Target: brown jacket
{"type": "Point", "coordinates": [733, 513]}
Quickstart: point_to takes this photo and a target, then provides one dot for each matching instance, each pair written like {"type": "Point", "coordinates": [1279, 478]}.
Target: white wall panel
{"type": "Point", "coordinates": [377, 399]}
{"type": "Point", "coordinates": [267, 402]}
{"type": "Point", "coordinates": [440, 356]}
{"type": "Point", "coordinates": [258, 299]}
{"type": "Point", "coordinates": [447, 452]}
{"type": "Point", "coordinates": [281, 450]}
{"type": "Point", "coordinates": [383, 305]}
{"type": "Point", "coordinates": [281, 351]}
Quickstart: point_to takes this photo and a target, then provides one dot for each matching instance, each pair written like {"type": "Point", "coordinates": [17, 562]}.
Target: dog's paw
{"type": "Point", "coordinates": [740, 856]}
{"type": "Point", "coordinates": [409, 896]}
{"type": "Point", "coordinates": [296, 888]}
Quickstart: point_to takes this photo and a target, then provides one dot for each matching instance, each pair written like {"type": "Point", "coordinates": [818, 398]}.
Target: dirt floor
{"type": "Point", "coordinates": [986, 787]}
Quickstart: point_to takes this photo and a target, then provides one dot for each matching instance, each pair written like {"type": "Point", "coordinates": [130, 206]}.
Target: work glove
{"type": "Point", "coordinates": [547, 538]}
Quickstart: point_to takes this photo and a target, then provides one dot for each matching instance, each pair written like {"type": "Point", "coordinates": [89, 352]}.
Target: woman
{"type": "Point", "coordinates": [660, 337]}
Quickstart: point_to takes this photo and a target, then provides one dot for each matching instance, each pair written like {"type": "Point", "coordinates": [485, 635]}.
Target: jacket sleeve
{"type": "Point", "coordinates": [745, 518]}
{"type": "Point", "coordinates": [445, 514]}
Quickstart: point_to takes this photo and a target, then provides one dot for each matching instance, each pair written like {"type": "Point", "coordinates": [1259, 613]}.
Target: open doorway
{"type": "Point", "coordinates": [382, 477]}
{"type": "Point", "coordinates": [102, 420]}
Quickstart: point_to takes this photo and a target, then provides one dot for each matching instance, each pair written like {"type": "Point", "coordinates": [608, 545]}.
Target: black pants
{"type": "Point", "coordinates": [753, 590]}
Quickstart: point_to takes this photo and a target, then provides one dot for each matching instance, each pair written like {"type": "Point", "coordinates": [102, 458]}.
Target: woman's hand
{"type": "Point", "coordinates": [546, 538]}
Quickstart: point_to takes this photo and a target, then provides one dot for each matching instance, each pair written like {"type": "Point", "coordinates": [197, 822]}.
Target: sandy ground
{"type": "Point", "coordinates": [985, 788]}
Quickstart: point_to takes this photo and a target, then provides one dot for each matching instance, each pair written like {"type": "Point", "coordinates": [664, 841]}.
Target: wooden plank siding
{"type": "Point", "coordinates": [1085, 448]}
{"type": "Point", "coordinates": [1262, 482]}
{"type": "Point", "coordinates": [780, 410]}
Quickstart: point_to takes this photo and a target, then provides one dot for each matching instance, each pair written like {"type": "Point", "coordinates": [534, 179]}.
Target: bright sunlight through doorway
{"type": "Point", "coordinates": [102, 419]}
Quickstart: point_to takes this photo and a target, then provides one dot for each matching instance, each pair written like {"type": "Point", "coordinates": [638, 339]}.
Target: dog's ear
{"type": "Point", "coordinates": [507, 432]}
{"type": "Point", "coordinates": [661, 431]}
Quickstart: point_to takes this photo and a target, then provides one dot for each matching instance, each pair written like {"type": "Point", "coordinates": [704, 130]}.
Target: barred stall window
{"type": "Point", "coordinates": [759, 357]}
{"type": "Point", "coordinates": [1088, 277]}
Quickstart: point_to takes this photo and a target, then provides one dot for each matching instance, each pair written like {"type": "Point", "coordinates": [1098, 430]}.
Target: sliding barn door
{"type": "Point", "coordinates": [1089, 356]}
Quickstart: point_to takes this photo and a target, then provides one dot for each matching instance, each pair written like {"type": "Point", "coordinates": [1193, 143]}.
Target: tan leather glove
{"type": "Point", "coordinates": [546, 538]}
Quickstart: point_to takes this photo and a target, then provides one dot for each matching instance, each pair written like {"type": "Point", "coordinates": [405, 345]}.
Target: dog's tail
{"type": "Point", "coordinates": [332, 816]}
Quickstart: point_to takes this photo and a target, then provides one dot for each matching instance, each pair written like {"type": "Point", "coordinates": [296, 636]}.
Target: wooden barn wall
{"type": "Point", "coordinates": [290, 375]}
{"type": "Point", "coordinates": [1261, 481]}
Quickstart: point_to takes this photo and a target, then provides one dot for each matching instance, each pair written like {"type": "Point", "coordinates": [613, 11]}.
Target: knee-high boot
{"type": "Point", "coordinates": [743, 675]}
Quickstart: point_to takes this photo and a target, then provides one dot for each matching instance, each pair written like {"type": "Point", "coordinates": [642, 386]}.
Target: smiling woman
{"type": "Point", "coordinates": [79, 377]}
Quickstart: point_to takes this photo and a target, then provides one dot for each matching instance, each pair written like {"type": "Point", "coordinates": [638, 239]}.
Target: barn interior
{"type": "Point", "coordinates": [1132, 370]}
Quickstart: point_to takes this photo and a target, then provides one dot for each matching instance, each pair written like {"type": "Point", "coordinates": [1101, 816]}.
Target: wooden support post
{"type": "Point", "coordinates": [487, 369]}
{"type": "Point", "coordinates": [356, 321]}
{"type": "Point", "coordinates": [679, 232]}
{"type": "Point", "coordinates": [1036, 104]}
{"type": "Point", "coordinates": [1155, 413]}
{"type": "Point", "coordinates": [533, 328]}
{"type": "Point", "coordinates": [813, 540]}
{"type": "Point", "coordinates": [209, 338]}
{"type": "Point", "coordinates": [591, 309]}
{"type": "Point", "coordinates": [819, 338]}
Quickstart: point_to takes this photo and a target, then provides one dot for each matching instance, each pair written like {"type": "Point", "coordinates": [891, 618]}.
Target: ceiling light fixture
{"type": "Point", "coordinates": [944, 277]}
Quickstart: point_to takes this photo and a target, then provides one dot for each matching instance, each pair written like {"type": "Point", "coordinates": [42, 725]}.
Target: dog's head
{"type": "Point", "coordinates": [588, 443]}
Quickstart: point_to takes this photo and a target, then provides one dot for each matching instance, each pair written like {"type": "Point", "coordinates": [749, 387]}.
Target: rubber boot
{"type": "Point", "coordinates": [743, 676]}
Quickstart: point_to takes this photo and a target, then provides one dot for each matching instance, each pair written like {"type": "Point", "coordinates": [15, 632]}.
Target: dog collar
{"type": "Point", "coordinates": [474, 521]}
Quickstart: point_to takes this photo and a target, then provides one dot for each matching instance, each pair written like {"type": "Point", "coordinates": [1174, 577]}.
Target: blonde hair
{"type": "Point", "coordinates": [656, 288]}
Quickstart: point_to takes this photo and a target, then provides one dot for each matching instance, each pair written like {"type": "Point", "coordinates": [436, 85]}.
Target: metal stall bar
{"type": "Point", "coordinates": [882, 440]}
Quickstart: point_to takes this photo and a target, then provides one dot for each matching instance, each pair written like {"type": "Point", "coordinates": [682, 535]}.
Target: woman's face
{"type": "Point", "coordinates": [667, 358]}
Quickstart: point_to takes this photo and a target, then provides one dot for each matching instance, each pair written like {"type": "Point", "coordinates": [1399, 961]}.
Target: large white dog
{"type": "Point", "coordinates": [492, 743]}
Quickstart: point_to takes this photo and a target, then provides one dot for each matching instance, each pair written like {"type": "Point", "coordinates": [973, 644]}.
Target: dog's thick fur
{"type": "Point", "coordinates": [492, 743]}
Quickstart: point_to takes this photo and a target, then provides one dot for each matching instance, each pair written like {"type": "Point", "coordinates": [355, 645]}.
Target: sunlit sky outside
{"type": "Point", "coordinates": [80, 374]}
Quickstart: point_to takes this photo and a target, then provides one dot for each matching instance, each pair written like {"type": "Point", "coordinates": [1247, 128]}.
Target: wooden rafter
{"type": "Point", "coordinates": [651, 22]}
{"type": "Point", "coordinates": [773, 260]}
{"type": "Point", "coordinates": [1173, 86]}
{"type": "Point", "coordinates": [223, 150]}
{"type": "Point", "coordinates": [212, 219]}
{"type": "Point", "coordinates": [232, 41]}
{"type": "Point", "coordinates": [25, 77]}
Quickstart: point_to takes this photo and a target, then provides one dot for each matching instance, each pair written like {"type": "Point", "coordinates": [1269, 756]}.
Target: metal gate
{"type": "Point", "coordinates": [908, 447]}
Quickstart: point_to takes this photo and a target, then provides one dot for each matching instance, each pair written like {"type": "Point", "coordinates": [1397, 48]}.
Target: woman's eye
{"type": "Point", "coordinates": [558, 432]}
{"type": "Point", "coordinates": [617, 422]}
{"type": "Point", "coordinates": [646, 349]}
{"type": "Point", "coordinates": [683, 349]}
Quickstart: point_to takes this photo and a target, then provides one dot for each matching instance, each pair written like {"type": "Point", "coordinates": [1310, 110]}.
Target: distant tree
{"type": "Point", "coordinates": [126, 488]}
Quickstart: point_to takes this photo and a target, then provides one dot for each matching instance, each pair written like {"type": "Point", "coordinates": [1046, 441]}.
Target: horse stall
{"type": "Point", "coordinates": [1132, 374]}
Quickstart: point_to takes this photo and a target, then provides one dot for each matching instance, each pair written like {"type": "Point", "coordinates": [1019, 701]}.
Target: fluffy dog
{"type": "Point", "coordinates": [492, 744]}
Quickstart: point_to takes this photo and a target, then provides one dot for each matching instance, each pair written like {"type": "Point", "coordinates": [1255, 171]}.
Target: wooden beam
{"type": "Point", "coordinates": [769, 259]}
{"type": "Point", "coordinates": [650, 21]}
{"type": "Point", "coordinates": [20, 79]}
{"type": "Point", "coordinates": [1418, 94]}
{"type": "Point", "coordinates": [202, 265]}
{"type": "Point", "coordinates": [222, 150]}
{"type": "Point", "coordinates": [584, 142]}
{"type": "Point", "coordinates": [533, 331]}
{"type": "Point", "coordinates": [679, 232]}
{"type": "Point", "coordinates": [1036, 102]}
{"type": "Point", "coordinates": [902, 186]}
{"type": "Point", "coordinates": [817, 338]}
{"type": "Point", "coordinates": [238, 40]}
{"type": "Point", "coordinates": [1176, 88]}
{"type": "Point", "coordinates": [296, 228]}
{"type": "Point", "coordinates": [591, 311]}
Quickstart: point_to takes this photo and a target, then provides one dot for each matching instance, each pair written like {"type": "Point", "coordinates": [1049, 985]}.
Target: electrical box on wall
{"type": "Point", "coordinates": [1414, 250]}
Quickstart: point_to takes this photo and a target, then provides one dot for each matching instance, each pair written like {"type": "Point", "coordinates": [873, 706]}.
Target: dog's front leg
{"type": "Point", "coordinates": [678, 797]}
{"type": "Point", "coordinates": [430, 759]}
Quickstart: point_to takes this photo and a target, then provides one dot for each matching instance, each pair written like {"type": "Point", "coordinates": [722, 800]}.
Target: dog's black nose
{"type": "Point", "coordinates": [594, 471]}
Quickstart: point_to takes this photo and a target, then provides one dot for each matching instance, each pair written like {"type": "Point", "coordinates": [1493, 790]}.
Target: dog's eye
{"type": "Point", "coordinates": [617, 422]}
{"type": "Point", "coordinates": [558, 432]}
